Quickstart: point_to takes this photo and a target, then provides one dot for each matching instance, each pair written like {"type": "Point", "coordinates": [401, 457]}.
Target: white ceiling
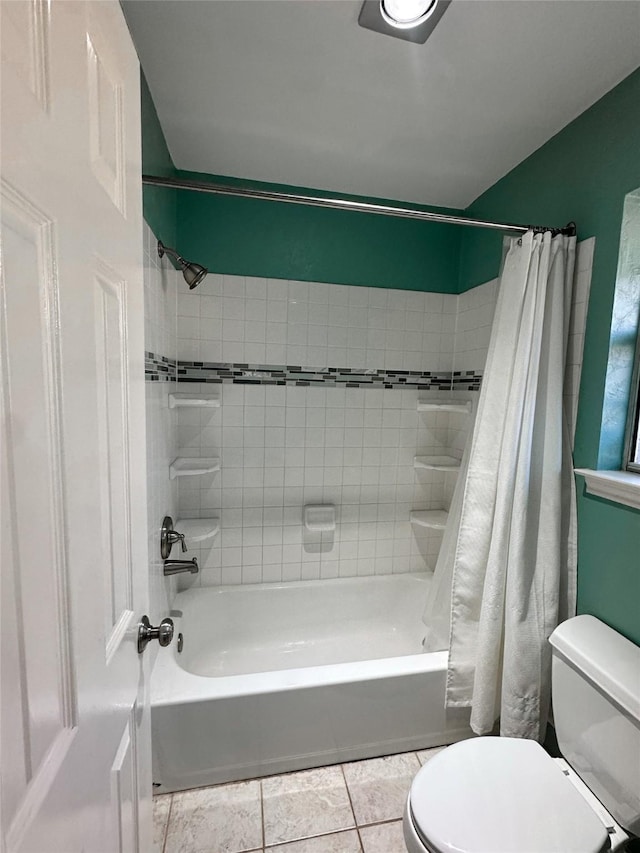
{"type": "Point", "coordinates": [295, 92]}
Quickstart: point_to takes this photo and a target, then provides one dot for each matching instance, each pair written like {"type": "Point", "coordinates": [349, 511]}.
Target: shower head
{"type": "Point", "coordinates": [193, 273]}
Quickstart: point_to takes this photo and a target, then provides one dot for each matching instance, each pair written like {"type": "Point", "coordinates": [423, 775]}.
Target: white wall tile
{"type": "Point", "coordinates": [162, 308]}
{"type": "Point", "coordinates": [283, 446]}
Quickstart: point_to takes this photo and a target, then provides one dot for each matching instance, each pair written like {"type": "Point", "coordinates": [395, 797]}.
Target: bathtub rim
{"type": "Point", "coordinates": [171, 684]}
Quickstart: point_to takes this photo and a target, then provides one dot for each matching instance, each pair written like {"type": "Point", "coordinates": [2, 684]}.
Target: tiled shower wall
{"type": "Point", "coordinates": [160, 309]}
{"type": "Point", "coordinates": [474, 316]}
{"type": "Point", "coordinates": [271, 321]}
{"type": "Point", "coordinates": [283, 446]}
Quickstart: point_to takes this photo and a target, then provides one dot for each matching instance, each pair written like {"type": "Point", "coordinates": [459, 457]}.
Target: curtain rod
{"type": "Point", "coordinates": [347, 204]}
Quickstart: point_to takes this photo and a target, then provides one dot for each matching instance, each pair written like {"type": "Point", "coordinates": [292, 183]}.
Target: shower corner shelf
{"type": "Point", "coordinates": [198, 529]}
{"type": "Point", "coordinates": [433, 518]}
{"type": "Point", "coordinates": [444, 406]}
{"type": "Point", "coordinates": [199, 401]}
{"type": "Point", "coordinates": [190, 466]}
{"type": "Point", "coordinates": [436, 463]}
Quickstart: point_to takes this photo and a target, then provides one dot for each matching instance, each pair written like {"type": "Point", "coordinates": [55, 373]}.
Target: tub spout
{"type": "Point", "coordinates": [177, 567]}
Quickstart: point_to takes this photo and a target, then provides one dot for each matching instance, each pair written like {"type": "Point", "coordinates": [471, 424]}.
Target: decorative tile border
{"type": "Point", "coordinates": [159, 368]}
{"type": "Point", "coordinates": [466, 380]}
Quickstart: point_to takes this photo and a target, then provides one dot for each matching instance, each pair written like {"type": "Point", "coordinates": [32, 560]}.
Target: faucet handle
{"type": "Point", "coordinates": [174, 537]}
{"type": "Point", "coordinates": [169, 537]}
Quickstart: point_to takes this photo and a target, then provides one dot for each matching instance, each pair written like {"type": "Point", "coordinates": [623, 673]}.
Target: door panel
{"type": "Point", "coordinates": [106, 124]}
{"type": "Point", "coordinates": [35, 602]}
{"type": "Point", "coordinates": [27, 45]}
{"type": "Point", "coordinates": [113, 451]}
{"type": "Point", "coordinates": [75, 739]}
{"type": "Point", "coordinates": [124, 786]}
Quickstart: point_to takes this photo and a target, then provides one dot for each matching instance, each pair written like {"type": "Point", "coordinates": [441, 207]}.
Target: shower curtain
{"type": "Point", "coordinates": [506, 573]}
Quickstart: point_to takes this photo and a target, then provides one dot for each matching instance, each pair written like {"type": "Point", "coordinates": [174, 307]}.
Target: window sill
{"type": "Point", "coordinates": [623, 487]}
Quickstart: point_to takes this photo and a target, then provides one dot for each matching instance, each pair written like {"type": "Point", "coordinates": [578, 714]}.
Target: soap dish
{"type": "Point", "coordinates": [320, 518]}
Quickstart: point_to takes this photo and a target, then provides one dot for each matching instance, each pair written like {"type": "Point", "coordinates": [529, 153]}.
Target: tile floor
{"type": "Point", "coordinates": [347, 808]}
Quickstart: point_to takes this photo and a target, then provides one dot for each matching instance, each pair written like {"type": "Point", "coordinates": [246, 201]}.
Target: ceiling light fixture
{"type": "Point", "coordinates": [410, 20]}
{"type": "Point", "coordinates": [407, 13]}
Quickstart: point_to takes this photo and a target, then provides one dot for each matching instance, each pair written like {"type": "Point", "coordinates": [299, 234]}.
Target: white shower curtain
{"type": "Point", "coordinates": [507, 569]}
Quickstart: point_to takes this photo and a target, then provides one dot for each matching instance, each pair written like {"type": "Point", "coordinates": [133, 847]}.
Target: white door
{"type": "Point", "coordinates": [74, 730]}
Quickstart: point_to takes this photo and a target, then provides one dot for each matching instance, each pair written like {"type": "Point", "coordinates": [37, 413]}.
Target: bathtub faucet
{"type": "Point", "coordinates": [177, 567]}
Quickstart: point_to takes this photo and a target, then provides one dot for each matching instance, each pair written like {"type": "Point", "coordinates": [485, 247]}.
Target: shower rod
{"type": "Point", "coordinates": [348, 204]}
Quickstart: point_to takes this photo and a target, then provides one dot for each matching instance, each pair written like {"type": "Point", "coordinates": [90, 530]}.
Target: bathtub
{"type": "Point", "coordinates": [280, 677]}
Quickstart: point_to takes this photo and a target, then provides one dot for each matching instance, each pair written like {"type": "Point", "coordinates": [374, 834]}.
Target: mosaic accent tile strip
{"type": "Point", "coordinates": [159, 368]}
{"type": "Point", "coordinates": [466, 380]}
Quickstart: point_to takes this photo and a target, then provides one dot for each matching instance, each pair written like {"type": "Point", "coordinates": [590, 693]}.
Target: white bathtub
{"type": "Point", "coordinates": [279, 677]}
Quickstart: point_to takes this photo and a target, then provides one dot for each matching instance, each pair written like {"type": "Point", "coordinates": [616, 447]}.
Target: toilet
{"type": "Point", "coordinates": [507, 795]}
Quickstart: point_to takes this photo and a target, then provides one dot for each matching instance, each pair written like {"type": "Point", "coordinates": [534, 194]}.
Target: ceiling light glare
{"type": "Point", "coordinates": [406, 14]}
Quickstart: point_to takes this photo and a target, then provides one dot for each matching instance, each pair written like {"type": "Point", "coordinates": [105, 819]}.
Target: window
{"type": "Point", "coordinates": [628, 300]}
{"type": "Point", "coordinates": [621, 406]}
{"type": "Point", "coordinates": [633, 428]}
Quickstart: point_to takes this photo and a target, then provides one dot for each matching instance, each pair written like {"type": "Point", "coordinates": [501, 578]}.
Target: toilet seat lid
{"type": "Point", "coordinates": [501, 795]}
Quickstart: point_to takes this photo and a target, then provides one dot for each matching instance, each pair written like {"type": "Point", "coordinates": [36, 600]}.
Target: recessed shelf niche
{"type": "Point", "coordinates": [444, 406]}
{"type": "Point", "coordinates": [435, 519]}
{"type": "Point", "coordinates": [192, 466]}
{"type": "Point", "coordinates": [197, 530]}
{"type": "Point", "coordinates": [195, 401]}
{"type": "Point", "coordinates": [436, 463]}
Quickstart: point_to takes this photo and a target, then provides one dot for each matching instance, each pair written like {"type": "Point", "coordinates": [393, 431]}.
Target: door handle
{"type": "Point", "coordinates": [146, 632]}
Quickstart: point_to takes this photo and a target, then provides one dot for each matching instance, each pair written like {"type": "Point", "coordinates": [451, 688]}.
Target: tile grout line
{"type": "Point", "coordinates": [327, 834]}
{"type": "Point", "coordinates": [166, 826]}
{"type": "Point", "coordinates": [353, 811]}
{"type": "Point", "coordinates": [264, 840]}
{"type": "Point", "coordinates": [381, 822]}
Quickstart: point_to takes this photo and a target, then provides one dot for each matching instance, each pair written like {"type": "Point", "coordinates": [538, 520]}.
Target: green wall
{"type": "Point", "coordinates": [159, 205]}
{"type": "Point", "coordinates": [242, 236]}
{"type": "Point", "coordinates": [608, 563]}
{"type": "Point", "coordinates": [582, 174]}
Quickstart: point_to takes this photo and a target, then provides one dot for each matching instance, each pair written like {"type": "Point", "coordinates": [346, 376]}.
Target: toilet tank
{"type": "Point", "coordinates": [596, 710]}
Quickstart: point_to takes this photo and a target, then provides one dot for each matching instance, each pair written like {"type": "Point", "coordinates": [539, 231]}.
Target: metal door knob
{"type": "Point", "coordinates": [146, 632]}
